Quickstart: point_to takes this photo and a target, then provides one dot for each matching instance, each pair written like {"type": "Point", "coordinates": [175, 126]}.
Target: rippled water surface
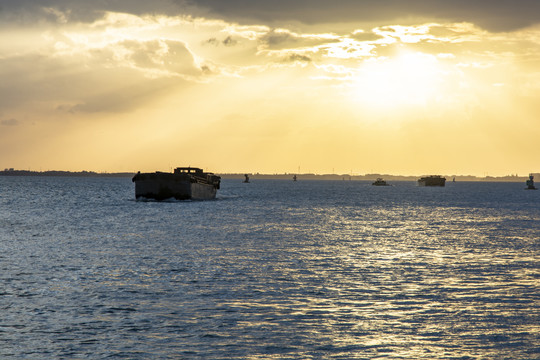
{"type": "Point", "coordinates": [269, 270]}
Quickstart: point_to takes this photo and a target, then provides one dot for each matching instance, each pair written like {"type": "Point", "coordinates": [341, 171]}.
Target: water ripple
{"type": "Point", "coordinates": [276, 270]}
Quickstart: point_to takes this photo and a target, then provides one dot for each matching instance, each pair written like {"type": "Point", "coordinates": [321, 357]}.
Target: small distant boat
{"type": "Point", "coordinates": [432, 180]}
{"type": "Point", "coordinates": [530, 183]}
{"type": "Point", "coordinates": [246, 180]}
{"type": "Point", "coordinates": [380, 182]}
{"type": "Point", "coordinates": [183, 184]}
{"type": "Point", "coordinates": [294, 178]}
{"type": "Point", "coordinates": [454, 179]}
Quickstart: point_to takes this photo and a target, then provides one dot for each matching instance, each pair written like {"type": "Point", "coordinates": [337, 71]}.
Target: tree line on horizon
{"type": "Point", "coordinates": [285, 176]}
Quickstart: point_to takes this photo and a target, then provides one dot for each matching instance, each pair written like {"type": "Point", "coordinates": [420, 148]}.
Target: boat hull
{"type": "Point", "coordinates": [179, 190]}
{"type": "Point", "coordinates": [432, 181]}
{"type": "Point", "coordinates": [179, 186]}
{"type": "Point", "coordinates": [530, 183]}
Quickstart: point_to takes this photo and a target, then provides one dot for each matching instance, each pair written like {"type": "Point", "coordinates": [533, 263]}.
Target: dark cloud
{"type": "Point", "coordinates": [9, 122]}
{"type": "Point", "coordinates": [212, 41]}
{"type": "Point", "coordinates": [278, 38]}
{"type": "Point", "coordinates": [298, 57]}
{"type": "Point", "coordinates": [284, 39]}
{"type": "Point", "coordinates": [367, 36]}
{"type": "Point", "coordinates": [228, 41]}
{"type": "Point", "coordinates": [495, 15]}
{"type": "Point", "coordinates": [29, 11]}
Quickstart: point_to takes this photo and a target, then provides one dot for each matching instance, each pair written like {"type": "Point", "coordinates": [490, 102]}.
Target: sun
{"type": "Point", "coordinates": [408, 79]}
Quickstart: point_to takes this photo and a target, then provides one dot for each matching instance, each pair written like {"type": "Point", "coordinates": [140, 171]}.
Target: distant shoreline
{"type": "Point", "coordinates": [12, 172]}
{"type": "Point", "coordinates": [257, 176]}
{"type": "Point", "coordinates": [372, 177]}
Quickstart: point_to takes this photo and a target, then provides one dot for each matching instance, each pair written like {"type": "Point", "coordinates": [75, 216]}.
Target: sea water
{"type": "Point", "coordinates": [272, 269]}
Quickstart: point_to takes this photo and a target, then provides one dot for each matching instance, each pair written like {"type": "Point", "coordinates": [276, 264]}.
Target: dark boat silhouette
{"type": "Point", "coordinates": [183, 184]}
{"type": "Point", "coordinates": [530, 183]}
{"type": "Point", "coordinates": [432, 180]}
{"type": "Point", "coordinates": [380, 182]}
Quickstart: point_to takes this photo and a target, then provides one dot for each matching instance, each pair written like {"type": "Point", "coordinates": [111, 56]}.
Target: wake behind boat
{"type": "Point", "coordinates": [185, 183]}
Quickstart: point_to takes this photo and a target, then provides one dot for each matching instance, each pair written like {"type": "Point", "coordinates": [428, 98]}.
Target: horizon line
{"type": "Point", "coordinates": [516, 176]}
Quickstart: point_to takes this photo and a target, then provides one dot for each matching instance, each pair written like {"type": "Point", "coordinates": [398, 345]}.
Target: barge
{"type": "Point", "coordinates": [433, 180]}
{"type": "Point", "coordinates": [184, 183]}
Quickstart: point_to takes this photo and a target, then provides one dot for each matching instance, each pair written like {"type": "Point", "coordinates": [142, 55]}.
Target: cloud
{"type": "Point", "coordinates": [62, 11]}
{"type": "Point", "coordinates": [228, 41]}
{"type": "Point", "coordinates": [113, 78]}
{"type": "Point", "coordinates": [285, 39]}
{"type": "Point", "coordinates": [298, 57]}
{"type": "Point", "coordinates": [361, 35]}
{"type": "Point", "coordinates": [9, 122]}
{"type": "Point", "coordinates": [163, 57]}
{"type": "Point", "coordinates": [72, 66]}
{"type": "Point", "coordinates": [495, 15]}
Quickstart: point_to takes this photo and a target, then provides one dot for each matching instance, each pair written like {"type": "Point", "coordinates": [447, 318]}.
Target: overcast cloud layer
{"type": "Point", "coordinates": [497, 15]}
{"type": "Point", "coordinates": [494, 15]}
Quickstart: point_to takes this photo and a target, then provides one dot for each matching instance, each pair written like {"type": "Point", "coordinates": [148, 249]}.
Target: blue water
{"type": "Point", "coordinates": [269, 270]}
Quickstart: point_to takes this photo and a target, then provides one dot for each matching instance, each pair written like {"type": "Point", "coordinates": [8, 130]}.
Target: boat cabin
{"type": "Point", "coordinates": [188, 170]}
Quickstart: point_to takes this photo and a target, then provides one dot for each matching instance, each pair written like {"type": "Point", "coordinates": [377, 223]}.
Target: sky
{"type": "Point", "coordinates": [307, 86]}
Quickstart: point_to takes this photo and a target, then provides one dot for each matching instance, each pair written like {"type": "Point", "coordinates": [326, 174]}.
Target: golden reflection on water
{"type": "Point", "coordinates": [406, 283]}
{"type": "Point", "coordinates": [347, 280]}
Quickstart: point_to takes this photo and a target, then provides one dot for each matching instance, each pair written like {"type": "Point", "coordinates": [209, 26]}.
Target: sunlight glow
{"type": "Point", "coordinates": [145, 89]}
{"type": "Point", "coordinates": [408, 79]}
